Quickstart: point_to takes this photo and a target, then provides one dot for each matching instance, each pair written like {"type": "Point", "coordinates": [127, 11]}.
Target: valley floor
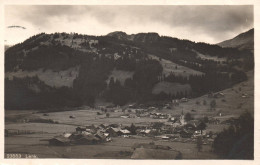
{"type": "Point", "coordinates": [236, 100]}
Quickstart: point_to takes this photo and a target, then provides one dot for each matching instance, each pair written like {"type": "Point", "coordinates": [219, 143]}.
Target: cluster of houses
{"type": "Point", "coordinates": [173, 128]}
{"type": "Point", "coordinates": [90, 135]}
{"type": "Point", "coordinates": [156, 115]}
{"type": "Point", "coordinates": [177, 129]}
{"type": "Point", "coordinates": [168, 128]}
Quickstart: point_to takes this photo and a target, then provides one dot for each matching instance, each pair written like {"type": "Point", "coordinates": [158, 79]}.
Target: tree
{"type": "Point", "coordinates": [199, 143]}
{"type": "Point", "coordinates": [179, 156]}
{"type": "Point", "coordinates": [202, 126]}
{"type": "Point", "coordinates": [111, 83]}
{"type": "Point", "coordinates": [157, 125]}
{"type": "Point", "coordinates": [204, 102]}
{"type": "Point", "coordinates": [132, 129]}
{"type": "Point", "coordinates": [213, 104]}
{"type": "Point", "coordinates": [236, 142]}
{"type": "Point", "coordinates": [206, 119]}
{"type": "Point", "coordinates": [188, 117]}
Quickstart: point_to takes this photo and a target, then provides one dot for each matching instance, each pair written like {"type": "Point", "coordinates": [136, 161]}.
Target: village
{"type": "Point", "coordinates": [173, 130]}
{"type": "Point", "coordinates": [160, 130]}
{"type": "Point", "coordinates": [182, 128]}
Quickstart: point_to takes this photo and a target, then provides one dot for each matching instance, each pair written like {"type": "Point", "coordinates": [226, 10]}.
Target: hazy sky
{"type": "Point", "coordinates": [209, 24]}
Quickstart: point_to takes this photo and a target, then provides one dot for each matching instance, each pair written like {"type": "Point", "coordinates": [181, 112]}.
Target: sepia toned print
{"type": "Point", "coordinates": [129, 82]}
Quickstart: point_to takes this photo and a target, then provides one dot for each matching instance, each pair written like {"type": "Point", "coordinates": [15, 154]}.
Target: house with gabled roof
{"type": "Point", "coordinates": [113, 131]}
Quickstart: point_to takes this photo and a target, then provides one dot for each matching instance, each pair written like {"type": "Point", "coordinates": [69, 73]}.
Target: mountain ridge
{"type": "Point", "coordinates": [242, 41]}
{"type": "Point", "coordinates": [141, 37]}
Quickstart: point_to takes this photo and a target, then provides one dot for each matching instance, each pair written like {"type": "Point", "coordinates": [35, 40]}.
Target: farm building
{"type": "Point", "coordinates": [104, 126]}
{"type": "Point", "coordinates": [144, 132]}
{"type": "Point", "coordinates": [113, 131]}
{"type": "Point", "coordinates": [218, 95]}
{"type": "Point", "coordinates": [195, 123]}
{"type": "Point", "coordinates": [214, 121]}
{"type": "Point", "coordinates": [91, 128]}
{"type": "Point", "coordinates": [184, 100]}
{"type": "Point", "coordinates": [132, 116]}
{"type": "Point", "coordinates": [124, 132]}
{"type": "Point", "coordinates": [101, 136]}
{"type": "Point", "coordinates": [80, 129]}
{"type": "Point", "coordinates": [72, 117]}
{"type": "Point", "coordinates": [186, 133]}
{"type": "Point", "coordinates": [90, 139]}
{"type": "Point", "coordinates": [191, 126]}
{"type": "Point", "coordinates": [182, 120]}
{"type": "Point", "coordinates": [59, 141]}
{"type": "Point", "coordinates": [66, 135]}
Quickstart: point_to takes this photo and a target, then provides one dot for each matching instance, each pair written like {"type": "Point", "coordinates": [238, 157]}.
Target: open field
{"type": "Point", "coordinates": [207, 57]}
{"type": "Point", "coordinates": [87, 117]}
{"type": "Point", "coordinates": [49, 77]}
{"type": "Point", "coordinates": [120, 147]}
{"type": "Point", "coordinates": [120, 75]}
{"type": "Point", "coordinates": [171, 88]}
{"type": "Point", "coordinates": [169, 66]}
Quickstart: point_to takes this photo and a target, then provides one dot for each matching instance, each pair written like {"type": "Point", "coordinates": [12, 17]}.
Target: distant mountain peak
{"type": "Point", "coordinates": [141, 37]}
{"type": "Point", "coordinates": [118, 34]}
{"type": "Point", "coordinates": [242, 41]}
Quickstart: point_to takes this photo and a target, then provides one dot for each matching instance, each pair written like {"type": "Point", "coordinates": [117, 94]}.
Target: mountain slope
{"type": "Point", "coordinates": [7, 47]}
{"type": "Point", "coordinates": [61, 69]}
{"type": "Point", "coordinates": [242, 41]}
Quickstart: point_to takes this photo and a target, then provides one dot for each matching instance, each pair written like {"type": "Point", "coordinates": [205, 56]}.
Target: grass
{"type": "Point", "coordinates": [119, 148]}
{"type": "Point", "coordinates": [172, 88]}
{"type": "Point", "coordinates": [120, 75]}
{"type": "Point", "coordinates": [49, 77]}
{"type": "Point", "coordinates": [169, 67]}
{"type": "Point", "coordinates": [213, 58]}
{"type": "Point", "coordinates": [229, 108]}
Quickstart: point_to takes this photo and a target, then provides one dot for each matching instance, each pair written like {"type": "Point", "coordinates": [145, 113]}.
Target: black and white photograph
{"type": "Point", "coordinates": [146, 82]}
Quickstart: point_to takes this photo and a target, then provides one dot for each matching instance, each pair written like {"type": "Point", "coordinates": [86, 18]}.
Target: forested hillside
{"type": "Point", "coordinates": [96, 58]}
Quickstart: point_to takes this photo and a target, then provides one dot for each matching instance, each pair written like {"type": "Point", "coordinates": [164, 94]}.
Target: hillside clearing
{"type": "Point", "coordinates": [120, 75]}
{"type": "Point", "coordinates": [231, 105]}
{"type": "Point", "coordinates": [171, 88]}
{"type": "Point", "coordinates": [49, 77]}
{"type": "Point", "coordinates": [169, 66]}
{"type": "Point", "coordinates": [207, 57]}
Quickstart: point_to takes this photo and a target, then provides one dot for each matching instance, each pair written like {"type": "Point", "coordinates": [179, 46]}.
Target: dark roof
{"type": "Point", "coordinates": [60, 139]}
{"type": "Point", "coordinates": [88, 138]}
{"type": "Point", "coordinates": [100, 135]}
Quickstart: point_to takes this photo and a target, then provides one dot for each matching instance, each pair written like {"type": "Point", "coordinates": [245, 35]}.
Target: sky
{"type": "Point", "coordinates": [210, 24]}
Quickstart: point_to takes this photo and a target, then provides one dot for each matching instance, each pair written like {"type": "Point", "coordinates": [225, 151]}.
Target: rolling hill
{"type": "Point", "coordinates": [242, 41]}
